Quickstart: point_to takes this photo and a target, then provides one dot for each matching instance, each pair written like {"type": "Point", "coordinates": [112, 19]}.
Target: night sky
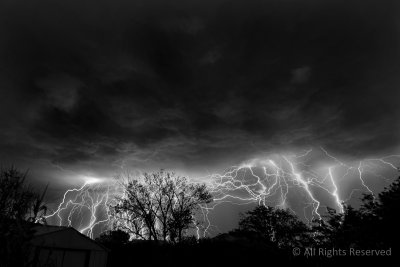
{"type": "Point", "coordinates": [96, 87]}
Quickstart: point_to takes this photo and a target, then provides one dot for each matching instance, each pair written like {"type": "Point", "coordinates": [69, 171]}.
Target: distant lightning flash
{"type": "Point", "coordinates": [271, 180]}
{"type": "Point", "coordinates": [88, 201]}
{"type": "Point", "coordinates": [306, 182]}
{"type": "Point", "coordinates": [277, 176]}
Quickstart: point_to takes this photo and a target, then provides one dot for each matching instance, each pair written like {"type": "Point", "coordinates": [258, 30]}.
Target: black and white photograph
{"type": "Point", "coordinates": [199, 133]}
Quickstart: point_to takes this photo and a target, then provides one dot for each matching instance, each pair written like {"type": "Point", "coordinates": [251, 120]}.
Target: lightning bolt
{"type": "Point", "coordinates": [283, 175]}
{"type": "Point", "coordinates": [91, 201]}
{"type": "Point", "coordinates": [297, 182]}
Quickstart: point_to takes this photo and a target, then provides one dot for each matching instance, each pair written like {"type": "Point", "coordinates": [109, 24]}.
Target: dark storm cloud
{"type": "Point", "coordinates": [196, 82]}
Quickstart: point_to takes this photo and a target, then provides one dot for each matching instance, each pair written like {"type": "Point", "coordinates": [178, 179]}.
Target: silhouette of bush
{"type": "Point", "coordinates": [116, 237]}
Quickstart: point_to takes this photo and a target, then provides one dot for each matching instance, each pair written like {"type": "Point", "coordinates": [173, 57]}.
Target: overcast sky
{"type": "Point", "coordinates": [193, 86]}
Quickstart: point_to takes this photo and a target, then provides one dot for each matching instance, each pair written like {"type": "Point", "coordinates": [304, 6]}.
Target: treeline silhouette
{"type": "Point", "coordinates": [269, 236]}
{"type": "Point", "coordinates": [265, 235]}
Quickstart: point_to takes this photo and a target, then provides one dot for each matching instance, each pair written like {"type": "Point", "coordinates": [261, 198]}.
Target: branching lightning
{"type": "Point", "coordinates": [305, 183]}
{"type": "Point", "coordinates": [86, 202]}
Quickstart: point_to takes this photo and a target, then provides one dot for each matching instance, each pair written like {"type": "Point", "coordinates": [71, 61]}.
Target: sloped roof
{"type": "Point", "coordinates": [63, 237]}
{"type": "Point", "coordinates": [46, 229]}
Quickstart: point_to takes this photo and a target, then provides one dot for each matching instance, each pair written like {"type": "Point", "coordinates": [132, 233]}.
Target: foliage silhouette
{"type": "Point", "coordinates": [20, 208]}
{"type": "Point", "coordinates": [159, 206]}
{"type": "Point", "coordinates": [111, 237]}
{"type": "Point", "coordinates": [267, 235]}
{"type": "Point", "coordinates": [372, 226]}
{"type": "Point", "coordinates": [276, 225]}
{"type": "Point", "coordinates": [383, 215]}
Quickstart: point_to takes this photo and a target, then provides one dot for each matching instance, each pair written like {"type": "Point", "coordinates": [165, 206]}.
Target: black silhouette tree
{"type": "Point", "coordinates": [381, 216]}
{"type": "Point", "coordinates": [159, 206]}
{"type": "Point", "coordinates": [372, 226]}
{"type": "Point", "coordinates": [342, 230]}
{"type": "Point", "coordinates": [276, 225]}
{"type": "Point", "coordinates": [20, 206]}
